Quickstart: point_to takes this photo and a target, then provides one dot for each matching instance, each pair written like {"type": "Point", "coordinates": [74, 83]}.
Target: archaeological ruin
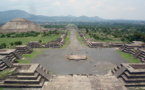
{"type": "Point", "coordinates": [20, 25]}
{"type": "Point", "coordinates": [131, 74]}
{"type": "Point", "coordinates": [24, 49]}
{"type": "Point", "coordinates": [26, 76]}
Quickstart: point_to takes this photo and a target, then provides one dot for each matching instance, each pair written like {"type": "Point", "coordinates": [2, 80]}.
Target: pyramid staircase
{"type": "Point", "coordinates": [4, 63]}
{"type": "Point", "coordinates": [140, 53]}
{"type": "Point", "coordinates": [132, 75]}
{"type": "Point", "coordinates": [11, 54]}
{"type": "Point", "coordinates": [27, 76]}
{"type": "Point", "coordinates": [24, 49]}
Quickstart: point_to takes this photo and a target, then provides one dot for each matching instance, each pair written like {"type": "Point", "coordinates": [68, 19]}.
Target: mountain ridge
{"type": "Point", "coordinates": [9, 15]}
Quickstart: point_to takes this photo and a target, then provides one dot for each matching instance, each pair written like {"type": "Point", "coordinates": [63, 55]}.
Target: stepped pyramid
{"type": "Point", "coordinates": [20, 25]}
{"type": "Point", "coordinates": [131, 74]}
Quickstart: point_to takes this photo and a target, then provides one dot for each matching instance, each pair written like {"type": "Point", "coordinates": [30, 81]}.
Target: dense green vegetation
{"type": "Point", "coordinates": [116, 32]}
{"type": "Point", "coordinates": [27, 57]}
{"type": "Point", "coordinates": [23, 38]}
{"type": "Point", "coordinates": [128, 57]}
{"type": "Point", "coordinates": [54, 26]}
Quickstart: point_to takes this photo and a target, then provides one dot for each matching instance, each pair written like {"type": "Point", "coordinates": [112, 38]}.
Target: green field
{"type": "Point", "coordinates": [27, 57]}
{"type": "Point", "coordinates": [128, 57]}
{"type": "Point", "coordinates": [67, 41]}
{"type": "Point", "coordinates": [80, 39]}
{"type": "Point", "coordinates": [25, 40]}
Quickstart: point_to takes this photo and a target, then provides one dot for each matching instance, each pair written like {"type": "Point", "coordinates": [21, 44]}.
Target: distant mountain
{"type": "Point", "coordinates": [9, 15]}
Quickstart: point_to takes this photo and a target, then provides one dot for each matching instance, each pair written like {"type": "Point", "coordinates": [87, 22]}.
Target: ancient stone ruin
{"type": "Point", "coordinates": [140, 53]}
{"type": "Point", "coordinates": [4, 63]}
{"type": "Point", "coordinates": [26, 76]}
{"type": "Point", "coordinates": [132, 75]}
{"type": "Point", "coordinates": [93, 44]}
{"type": "Point", "coordinates": [20, 25]}
{"type": "Point", "coordinates": [34, 44]}
{"type": "Point", "coordinates": [24, 49]}
{"type": "Point", "coordinates": [77, 57]}
{"type": "Point", "coordinates": [11, 54]}
{"type": "Point", "coordinates": [57, 43]}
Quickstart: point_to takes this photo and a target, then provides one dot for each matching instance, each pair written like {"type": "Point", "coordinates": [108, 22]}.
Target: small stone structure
{"type": "Point", "coordinates": [58, 43]}
{"type": "Point", "coordinates": [139, 53]}
{"type": "Point", "coordinates": [4, 63]}
{"type": "Point", "coordinates": [26, 76]}
{"type": "Point", "coordinates": [34, 44]}
{"type": "Point", "coordinates": [132, 75]}
{"type": "Point", "coordinates": [129, 48]}
{"type": "Point", "coordinates": [77, 57]}
{"type": "Point", "coordinates": [11, 54]}
{"type": "Point", "coordinates": [24, 49]}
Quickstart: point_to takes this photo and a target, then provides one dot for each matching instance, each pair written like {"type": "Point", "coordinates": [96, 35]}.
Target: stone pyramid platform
{"type": "Point", "coordinates": [27, 76]}
{"type": "Point", "coordinates": [11, 54]}
{"type": "Point", "coordinates": [132, 75]}
{"type": "Point", "coordinates": [4, 63]}
{"type": "Point", "coordinates": [24, 49]}
{"type": "Point", "coordinates": [140, 53]}
{"type": "Point", "coordinates": [34, 44]}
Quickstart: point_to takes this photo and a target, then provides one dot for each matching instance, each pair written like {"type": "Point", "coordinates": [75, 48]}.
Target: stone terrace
{"type": "Point", "coordinates": [4, 63]}
{"type": "Point", "coordinates": [11, 54]}
{"type": "Point", "coordinates": [27, 76]}
{"type": "Point", "coordinates": [34, 44]}
{"type": "Point", "coordinates": [24, 49]}
{"type": "Point", "coordinates": [132, 75]}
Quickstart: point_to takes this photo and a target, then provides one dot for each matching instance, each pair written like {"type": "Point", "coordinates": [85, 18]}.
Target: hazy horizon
{"type": "Point", "coordinates": [106, 9]}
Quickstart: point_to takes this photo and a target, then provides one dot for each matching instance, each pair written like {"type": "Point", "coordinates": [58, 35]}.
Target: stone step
{"type": "Point", "coordinates": [21, 85]}
{"type": "Point", "coordinates": [23, 81]}
{"type": "Point", "coordinates": [1, 65]}
{"type": "Point", "coordinates": [3, 68]}
{"type": "Point", "coordinates": [1, 62]}
{"type": "Point", "coordinates": [141, 84]}
{"type": "Point", "coordinates": [132, 79]}
{"type": "Point", "coordinates": [30, 77]}
{"type": "Point", "coordinates": [134, 75]}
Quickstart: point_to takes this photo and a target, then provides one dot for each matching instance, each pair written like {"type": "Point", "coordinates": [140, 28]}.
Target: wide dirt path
{"type": "Point", "coordinates": [74, 43]}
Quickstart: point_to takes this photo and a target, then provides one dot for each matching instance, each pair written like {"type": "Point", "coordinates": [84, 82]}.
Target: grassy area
{"type": "Point", "coordinates": [80, 39]}
{"type": "Point", "coordinates": [6, 72]}
{"type": "Point", "coordinates": [128, 57]}
{"type": "Point", "coordinates": [25, 40]}
{"type": "Point", "coordinates": [27, 57]}
{"type": "Point", "coordinates": [67, 41]}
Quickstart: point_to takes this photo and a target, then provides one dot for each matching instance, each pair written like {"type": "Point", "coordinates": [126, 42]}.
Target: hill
{"type": "Point", "coordinates": [9, 15]}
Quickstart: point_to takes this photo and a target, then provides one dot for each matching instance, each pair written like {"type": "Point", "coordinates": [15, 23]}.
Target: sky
{"type": "Point", "coordinates": [106, 9]}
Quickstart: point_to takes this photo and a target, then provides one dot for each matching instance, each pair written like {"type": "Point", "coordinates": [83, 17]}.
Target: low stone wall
{"type": "Point", "coordinates": [98, 44]}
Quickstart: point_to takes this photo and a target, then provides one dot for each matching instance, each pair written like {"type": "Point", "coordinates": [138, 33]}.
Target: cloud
{"type": "Point", "coordinates": [111, 9]}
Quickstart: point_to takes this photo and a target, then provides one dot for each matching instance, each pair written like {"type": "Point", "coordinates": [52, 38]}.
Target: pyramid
{"type": "Point", "coordinates": [20, 25]}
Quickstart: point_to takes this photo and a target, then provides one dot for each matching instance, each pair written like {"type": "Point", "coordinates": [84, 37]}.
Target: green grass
{"type": "Point", "coordinates": [80, 39]}
{"type": "Point", "coordinates": [6, 72]}
{"type": "Point", "coordinates": [128, 57]}
{"type": "Point", "coordinates": [25, 40]}
{"type": "Point", "coordinates": [27, 57]}
{"type": "Point", "coordinates": [67, 41]}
